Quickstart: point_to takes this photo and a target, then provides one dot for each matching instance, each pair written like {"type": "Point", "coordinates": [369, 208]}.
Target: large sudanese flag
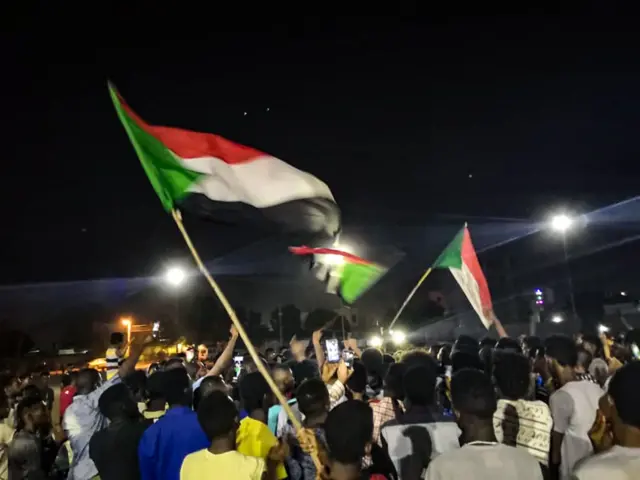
{"type": "Point", "coordinates": [461, 260]}
{"type": "Point", "coordinates": [215, 177]}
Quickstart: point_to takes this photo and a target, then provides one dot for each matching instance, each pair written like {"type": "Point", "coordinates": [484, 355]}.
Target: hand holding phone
{"type": "Point", "coordinates": [333, 350]}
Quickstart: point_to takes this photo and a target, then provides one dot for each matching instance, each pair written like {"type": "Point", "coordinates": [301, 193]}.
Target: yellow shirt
{"type": "Point", "coordinates": [255, 440]}
{"type": "Point", "coordinates": [233, 465]}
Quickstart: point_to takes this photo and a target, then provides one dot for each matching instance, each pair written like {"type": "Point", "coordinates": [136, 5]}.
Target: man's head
{"type": "Point", "coordinates": [419, 386]}
{"type": "Point", "coordinates": [207, 387]}
{"type": "Point", "coordinates": [348, 430]}
{"type": "Point", "coordinates": [255, 393]}
{"type": "Point", "coordinates": [624, 398]}
{"type": "Point", "coordinates": [45, 377]}
{"type": "Point", "coordinates": [117, 404]}
{"type": "Point", "coordinates": [218, 417]}
{"type": "Point", "coordinates": [88, 380]}
{"type": "Point", "coordinates": [270, 354]}
{"type": "Point", "coordinates": [203, 353]}
{"type": "Point", "coordinates": [508, 343]}
{"type": "Point", "coordinates": [592, 344]}
{"type": "Point", "coordinates": [512, 374]}
{"type": "Point", "coordinates": [283, 376]}
{"type": "Point", "coordinates": [562, 356]}
{"type": "Point", "coordinates": [175, 363]}
{"type": "Point", "coordinates": [155, 390]}
{"type": "Point", "coordinates": [116, 339]}
{"type": "Point", "coordinates": [32, 415]}
{"type": "Point", "coordinates": [393, 384]}
{"type": "Point", "coordinates": [472, 397]}
{"type": "Point", "coordinates": [177, 387]}
{"type": "Point", "coordinates": [313, 397]}
{"type": "Point", "coordinates": [357, 382]}
{"type": "Point", "coordinates": [137, 383]}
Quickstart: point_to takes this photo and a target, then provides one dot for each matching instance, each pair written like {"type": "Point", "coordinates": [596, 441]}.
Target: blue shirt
{"type": "Point", "coordinates": [164, 445]}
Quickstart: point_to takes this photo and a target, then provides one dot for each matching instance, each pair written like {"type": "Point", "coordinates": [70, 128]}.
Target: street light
{"type": "Point", "coordinates": [557, 319]}
{"type": "Point", "coordinates": [397, 337]}
{"type": "Point", "coordinates": [562, 223]}
{"type": "Point", "coordinates": [375, 341]}
{"type": "Point", "coordinates": [175, 276]}
{"type": "Point", "coordinates": [603, 328]}
{"type": "Point", "coordinates": [127, 323]}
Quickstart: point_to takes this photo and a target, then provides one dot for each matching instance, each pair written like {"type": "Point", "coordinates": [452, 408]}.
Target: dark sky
{"type": "Point", "coordinates": [484, 117]}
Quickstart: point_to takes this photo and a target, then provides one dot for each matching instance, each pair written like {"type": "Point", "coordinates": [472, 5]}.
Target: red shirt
{"type": "Point", "coordinates": [66, 397]}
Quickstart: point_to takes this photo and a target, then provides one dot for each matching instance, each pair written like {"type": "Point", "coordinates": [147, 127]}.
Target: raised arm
{"type": "Point", "coordinates": [226, 355]}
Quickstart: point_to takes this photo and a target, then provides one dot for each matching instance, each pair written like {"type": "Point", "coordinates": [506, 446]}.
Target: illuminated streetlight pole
{"type": "Point", "coordinates": [127, 323]}
{"type": "Point", "coordinates": [562, 223]}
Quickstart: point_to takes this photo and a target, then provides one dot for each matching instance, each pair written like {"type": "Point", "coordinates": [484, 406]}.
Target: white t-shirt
{"type": "Point", "coordinates": [573, 408]}
{"type": "Point", "coordinates": [484, 461]}
{"type": "Point", "coordinates": [617, 463]}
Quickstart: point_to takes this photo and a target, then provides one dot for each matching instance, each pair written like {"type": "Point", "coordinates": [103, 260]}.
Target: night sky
{"type": "Point", "coordinates": [412, 124]}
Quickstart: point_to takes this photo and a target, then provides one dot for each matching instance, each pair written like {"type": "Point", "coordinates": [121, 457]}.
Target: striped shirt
{"type": "Point", "coordinates": [114, 360]}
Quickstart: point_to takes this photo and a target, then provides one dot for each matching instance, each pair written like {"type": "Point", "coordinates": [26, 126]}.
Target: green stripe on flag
{"type": "Point", "coordinates": [451, 257]}
{"type": "Point", "coordinates": [169, 178]}
{"type": "Point", "coordinates": [357, 278]}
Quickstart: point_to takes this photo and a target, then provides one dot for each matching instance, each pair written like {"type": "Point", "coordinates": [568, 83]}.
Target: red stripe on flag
{"type": "Point", "coordinates": [329, 251]}
{"type": "Point", "coordinates": [188, 144]}
{"type": "Point", "coordinates": [470, 259]}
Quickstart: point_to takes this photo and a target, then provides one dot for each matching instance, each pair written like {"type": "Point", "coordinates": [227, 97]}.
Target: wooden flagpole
{"type": "Point", "coordinates": [410, 296]}
{"type": "Point", "coordinates": [241, 331]}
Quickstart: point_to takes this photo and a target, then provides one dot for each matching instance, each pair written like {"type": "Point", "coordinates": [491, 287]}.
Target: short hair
{"type": "Point", "coordinates": [508, 343]}
{"type": "Point", "coordinates": [155, 386]}
{"type": "Point", "coordinates": [584, 357]}
{"type": "Point", "coordinates": [420, 385]}
{"type": "Point", "coordinates": [313, 397]}
{"type": "Point", "coordinates": [177, 387]}
{"type": "Point", "coordinates": [253, 388]}
{"type": "Point", "coordinates": [487, 342]}
{"type": "Point", "coordinates": [217, 415]}
{"type": "Point", "coordinates": [136, 381]}
{"type": "Point", "coordinates": [357, 382]}
{"type": "Point", "coordinates": [116, 402]}
{"type": "Point", "coordinates": [116, 338]}
{"type": "Point", "coordinates": [65, 380]}
{"type": "Point", "coordinates": [27, 403]}
{"type": "Point", "coordinates": [348, 430]}
{"type": "Point", "coordinates": [87, 379]}
{"type": "Point", "coordinates": [512, 371]}
{"type": "Point", "coordinates": [418, 357]}
{"type": "Point", "coordinates": [304, 370]}
{"type": "Point", "coordinates": [623, 389]}
{"type": "Point", "coordinates": [462, 359]}
{"type": "Point", "coordinates": [472, 393]}
{"type": "Point", "coordinates": [174, 363]}
{"type": "Point", "coordinates": [208, 385]}
{"type": "Point", "coordinates": [563, 349]}
{"type": "Point", "coordinates": [373, 361]}
{"type": "Point", "coordinates": [31, 391]}
{"type": "Point", "coordinates": [393, 383]}
{"type": "Point", "coordinates": [388, 358]}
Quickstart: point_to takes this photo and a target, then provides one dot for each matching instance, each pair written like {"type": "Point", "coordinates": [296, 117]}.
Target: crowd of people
{"type": "Point", "coordinates": [524, 408]}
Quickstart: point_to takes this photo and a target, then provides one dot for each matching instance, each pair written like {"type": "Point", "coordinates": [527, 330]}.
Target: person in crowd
{"type": "Point", "coordinates": [83, 418]}
{"type": "Point", "coordinates": [598, 368]}
{"type": "Point", "coordinates": [156, 397]}
{"type": "Point", "coordinates": [283, 377]}
{"type": "Point", "coordinates": [622, 461]}
{"type": "Point", "coordinates": [573, 406]}
{"type": "Point", "coordinates": [42, 382]}
{"type": "Point", "coordinates": [390, 407]}
{"type": "Point", "coordinates": [166, 443]}
{"type": "Point", "coordinates": [254, 437]}
{"type": "Point", "coordinates": [67, 392]}
{"type": "Point", "coordinates": [356, 386]}
{"type": "Point", "coordinates": [481, 455]}
{"type": "Point", "coordinates": [422, 432]}
{"type": "Point", "coordinates": [582, 366]}
{"type": "Point", "coordinates": [207, 387]}
{"type": "Point", "coordinates": [518, 422]}
{"type": "Point", "coordinates": [313, 399]}
{"type": "Point", "coordinates": [218, 417]}
{"type": "Point", "coordinates": [115, 353]}
{"type": "Point", "coordinates": [137, 384]}
{"type": "Point", "coordinates": [223, 361]}
{"type": "Point", "coordinates": [348, 433]}
{"type": "Point", "coordinates": [114, 449]}
{"type": "Point", "coordinates": [6, 435]}
{"type": "Point", "coordinates": [32, 450]}
{"type": "Point", "coordinates": [375, 370]}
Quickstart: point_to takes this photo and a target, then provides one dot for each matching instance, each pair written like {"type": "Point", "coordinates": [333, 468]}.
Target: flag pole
{"type": "Point", "coordinates": [410, 296]}
{"type": "Point", "coordinates": [241, 331]}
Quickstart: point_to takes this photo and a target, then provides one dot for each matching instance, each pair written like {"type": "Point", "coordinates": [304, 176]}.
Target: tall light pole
{"type": "Point", "coordinates": [176, 277]}
{"type": "Point", "coordinates": [127, 323]}
{"type": "Point", "coordinates": [562, 223]}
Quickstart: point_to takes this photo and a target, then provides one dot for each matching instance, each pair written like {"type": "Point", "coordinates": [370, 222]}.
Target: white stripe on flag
{"type": "Point", "coordinates": [469, 286]}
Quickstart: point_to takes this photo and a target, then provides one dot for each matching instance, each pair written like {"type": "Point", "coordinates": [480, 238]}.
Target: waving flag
{"type": "Point", "coordinates": [461, 260]}
{"type": "Point", "coordinates": [345, 274]}
{"type": "Point", "coordinates": [216, 177]}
